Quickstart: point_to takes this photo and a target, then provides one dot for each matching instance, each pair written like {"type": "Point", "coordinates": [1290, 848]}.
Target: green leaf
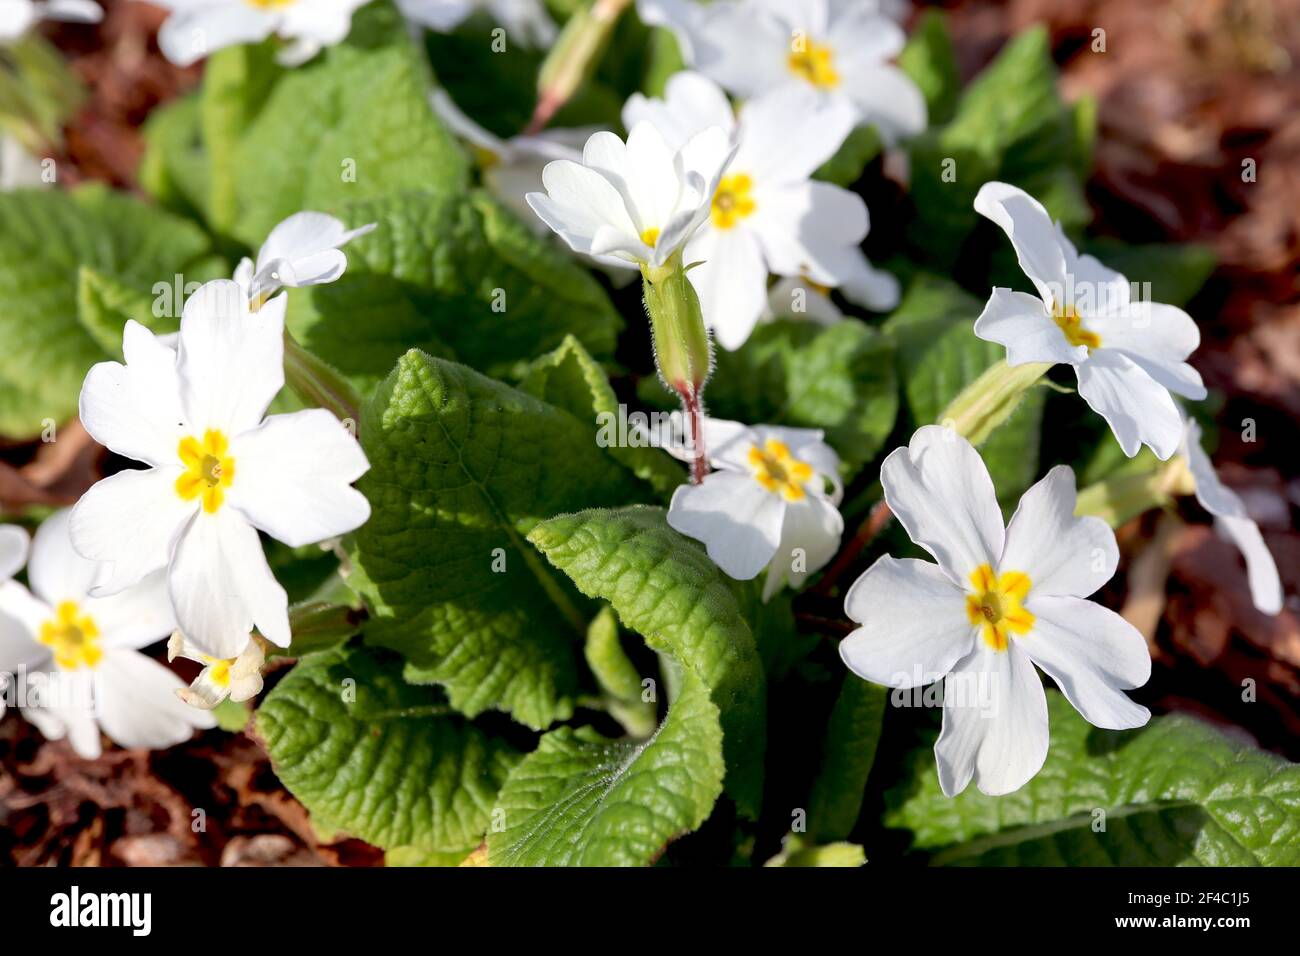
{"type": "Point", "coordinates": [414, 856]}
{"type": "Point", "coordinates": [930, 61]}
{"type": "Point", "coordinates": [582, 799]}
{"type": "Point", "coordinates": [236, 83]}
{"type": "Point", "coordinates": [461, 469]}
{"type": "Point", "coordinates": [846, 167]}
{"type": "Point", "coordinates": [39, 92]}
{"type": "Point", "coordinates": [232, 716]}
{"type": "Point", "coordinates": [174, 168]}
{"type": "Point", "coordinates": [848, 752]}
{"type": "Point", "coordinates": [46, 237]}
{"type": "Point", "coordinates": [664, 587]}
{"type": "Point", "coordinates": [455, 275]}
{"type": "Point", "coordinates": [839, 378]}
{"type": "Point", "coordinates": [570, 379]}
{"type": "Point", "coordinates": [386, 761]}
{"type": "Point", "coordinates": [1031, 139]}
{"type": "Point", "coordinates": [1174, 793]}
{"type": "Point", "coordinates": [354, 123]}
{"type": "Point", "coordinates": [617, 676]}
{"type": "Point", "coordinates": [939, 355]}
{"type": "Point", "coordinates": [104, 304]}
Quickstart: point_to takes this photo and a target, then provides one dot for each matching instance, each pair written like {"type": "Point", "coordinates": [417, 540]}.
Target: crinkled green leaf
{"type": "Point", "coordinates": [582, 799]}
{"type": "Point", "coordinates": [414, 856]}
{"type": "Point", "coordinates": [354, 123]}
{"type": "Point", "coordinates": [939, 355]}
{"type": "Point", "coordinates": [1174, 793]}
{"type": "Point", "coordinates": [174, 168]}
{"type": "Point", "coordinates": [453, 274]}
{"type": "Point", "coordinates": [848, 751]}
{"type": "Point", "coordinates": [664, 587]}
{"type": "Point", "coordinates": [373, 756]}
{"type": "Point", "coordinates": [569, 378]}
{"type": "Point", "coordinates": [45, 239]}
{"type": "Point", "coordinates": [461, 469]}
{"type": "Point", "coordinates": [838, 378]}
{"type": "Point", "coordinates": [796, 853]}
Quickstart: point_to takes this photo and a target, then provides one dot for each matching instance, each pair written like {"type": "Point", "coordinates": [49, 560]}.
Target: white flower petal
{"type": "Point", "coordinates": [813, 527]}
{"type": "Point", "coordinates": [137, 616]}
{"type": "Point", "coordinates": [731, 282]}
{"type": "Point", "coordinates": [692, 103]}
{"type": "Point", "coordinates": [865, 285]}
{"type": "Point", "coordinates": [193, 32]}
{"type": "Point", "coordinates": [941, 492]}
{"type": "Point", "coordinates": [787, 134]}
{"type": "Point", "coordinates": [578, 202]}
{"type": "Point", "coordinates": [135, 409]}
{"type": "Point", "coordinates": [1158, 338]}
{"type": "Point", "coordinates": [294, 475]}
{"type": "Point", "coordinates": [67, 709]}
{"type": "Point", "coordinates": [793, 297]}
{"type": "Point", "coordinates": [1261, 569]}
{"type": "Point", "coordinates": [1032, 233]}
{"type": "Point", "coordinates": [994, 723]}
{"type": "Point", "coordinates": [307, 244]}
{"type": "Point", "coordinates": [222, 587]}
{"type": "Point", "coordinates": [738, 520]}
{"type": "Point", "coordinates": [1138, 409]}
{"type": "Point", "coordinates": [21, 616]}
{"type": "Point", "coordinates": [805, 228]}
{"type": "Point", "coordinates": [1020, 322]}
{"type": "Point", "coordinates": [130, 521]}
{"type": "Point", "coordinates": [1093, 654]}
{"type": "Point", "coordinates": [1215, 497]}
{"type": "Point", "coordinates": [1061, 554]}
{"type": "Point", "coordinates": [14, 544]}
{"type": "Point", "coordinates": [231, 361]}
{"type": "Point", "coordinates": [135, 699]}
{"type": "Point", "coordinates": [914, 626]}
{"type": "Point", "coordinates": [888, 99]}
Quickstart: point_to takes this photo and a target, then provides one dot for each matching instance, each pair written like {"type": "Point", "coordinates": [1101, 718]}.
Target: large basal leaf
{"type": "Point", "coordinates": [848, 751]}
{"type": "Point", "coordinates": [175, 167]}
{"type": "Point", "coordinates": [569, 378]}
{"type": "Point", "coordinates": [461, 469]}
{"type": "Point", "coordinates": [582, 799]}
{"type": "Point", "coordinates": [354, 123]}
{"type": "Point", "coordinates": [939, 355]}
{"type": "Point", "coordinates": [930, 61]}
{"type": "Point", "coordinates": [1176, 792]}
{"type": "Point", "coordinates": [455, 275]}
{"type": "Point", "coordinates": [664, 587]}
{"type": "Point", "coordinates": [46, 237]}
{"type": "Point", "coordinates": [838, 378]}
{"type": "Point", "coordinates": [378, 758]}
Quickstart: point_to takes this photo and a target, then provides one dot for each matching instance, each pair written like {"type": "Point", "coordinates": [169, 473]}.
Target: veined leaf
{"type": "Point", "coordinates": [848, 751]}
{"type": "Point", "coordinates": [461, 469]}
{"type": "Point", "coordinates": [378, 758]}
{"type": "Point", "coordinates": [1174, 793]}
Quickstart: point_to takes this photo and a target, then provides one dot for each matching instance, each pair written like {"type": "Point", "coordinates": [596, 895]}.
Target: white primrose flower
{"type": "Point", "coordinates": [19, 16]}
{"type": "Point", "coordinates": [14, 545]}
{"type": "Point", "coordinates": [637, 202]}
{"type": "Point", "coordinates": [838, 48]}
{"type": "Point", "coordinates": [1128, 354]}
{"type": "Point", "coordinates": [525, 21]}
{"type": "Point", "coordinates": [302, 250]}
{"type": "Point", "coordinates": [239, 678]}
{"type": "Point", "coordinates": [198, 28]}
{"type": "Point", "coordinates": [218, 471]}
{"type": "Point", "coordinates": [768, 215]}
{"type": "Point", "coordinates": [76, 657]}
{"type": "Point", "coordinates": [1233, 522]}
{"type": "Point", "coordinates": [772, 502]}
{"type": "Point", "coordinates": [800, 297]}
{"type": "Point", "coordinates": [512, 168]}
{"type": "Point", "coordinates": [998, 602]}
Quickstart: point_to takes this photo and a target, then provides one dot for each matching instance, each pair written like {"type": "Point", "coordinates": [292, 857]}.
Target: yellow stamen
{"type": "Point", "coordinates": [270, 4]}
{"type": "Point", "coordinates": [778, 471]}
{"type": "Point", "coordinates": [650, 237]}
{"type": "Point", "coordinates": [733, 200]}
{"type": "Point", "coordinates": [219, 672]}
{"type": "Point", "coordinates": [816, 64]}
{"type": "Point", "coordinates": [209, 469]}
{"type": "Point", "coordinates": [1068, 321]}
{"type": "Point", "coordinates": [73, 636]}
{"type": "Point", "coordinates": [996, 605]}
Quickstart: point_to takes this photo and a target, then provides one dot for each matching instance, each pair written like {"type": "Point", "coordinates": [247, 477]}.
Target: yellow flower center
{"type": "Point", "coordinates": [650, 236]}
{"type": "Point", "coordinates": [1068, 321]}
{"type": "Point", "coordinates": [733, 200]}
{"type": "Point", "coordinates": [995, 604]}
{"type": "Point", "coordinates": [778, 471]}
{"type": "Point", "coordinates": [73, 636]}
{"type": "Point", "coordinates": [220, 672]}
{"type": "Point", "coordinates": [814, 63]}
{"type": "Point", "coordinates": [209, 470]}
{"type": "Point", "coordinates": [270, 4]}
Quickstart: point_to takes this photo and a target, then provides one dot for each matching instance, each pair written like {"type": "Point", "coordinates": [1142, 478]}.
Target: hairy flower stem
{"type": "Point", "coordinates": [1118, 499]}
{"type": "Point", "coordinates": [318, 383]}
{"type": "Point", "coordinates": [573, 58]}
{"type": "Point", "coordinates": [682, 350]}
